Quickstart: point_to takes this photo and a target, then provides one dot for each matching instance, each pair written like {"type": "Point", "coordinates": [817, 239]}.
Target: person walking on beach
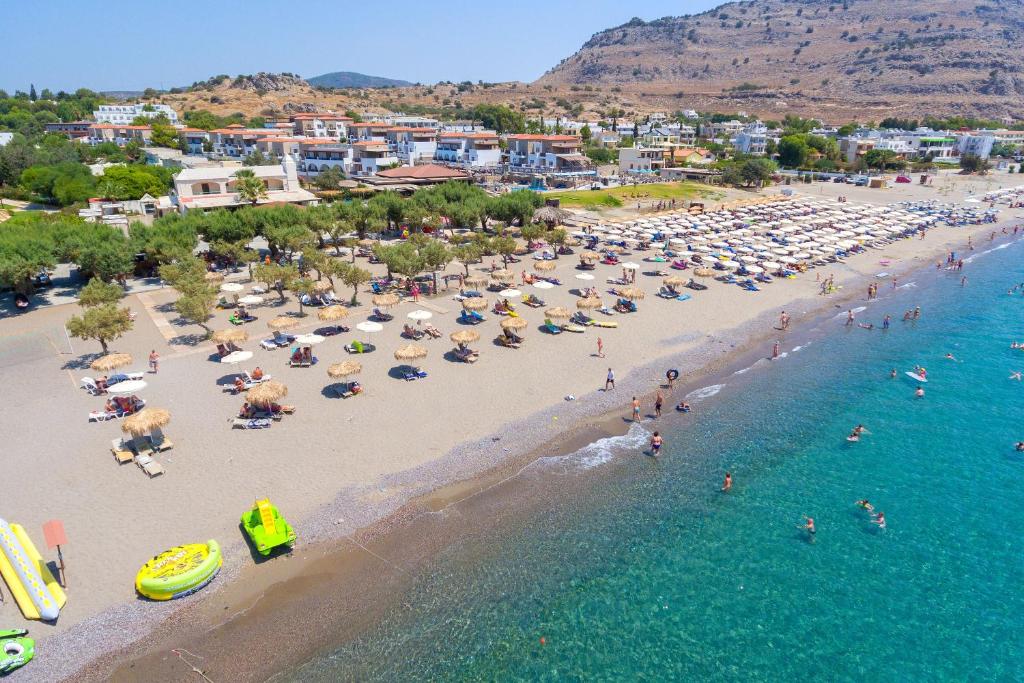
{"type": "Point", "coordinates": [636, 409]}
{"type": "Point", "coordinates": [727, 484]}
{"type": "Point", "coordinates": [849, 317]}
{"type": "Point", "coordinates": [658, 401]}
{"type": "Point", "coordinates": [154, 361]}
{"type": "Point", "coordinates": [656, 442]}
{"type": "Point", "coordinates": [784, 321]}
{"type": "Point", "coordinates": [600, 348]}
{"type": "Point", "coordinates": [775, 350]}
{"type": "Point", "coordinates": [609, 380]}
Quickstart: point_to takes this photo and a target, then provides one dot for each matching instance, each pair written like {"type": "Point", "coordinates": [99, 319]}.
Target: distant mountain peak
{"type": "Point", "coordinates": [351, 79]}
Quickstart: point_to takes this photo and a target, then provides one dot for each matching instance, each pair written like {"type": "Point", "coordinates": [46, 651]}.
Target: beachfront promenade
{"type": "Point", "coordinates": [336, 465]}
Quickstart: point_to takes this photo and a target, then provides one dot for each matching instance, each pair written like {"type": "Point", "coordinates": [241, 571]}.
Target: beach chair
{"type": "Point", "coordinates": [89, 384]}
{"type": "Point", "coordinates": [101, 416]}
{"type": "Point", "coordinates": [283, 339]}
{"type": "Point", "coordinates": [158, 441]}
{"type": "Point", "coordinates": [269, 344]}
{"type": "Point", "coordinates": [470, 317]}
{"type": "Point", "coordinates": [122, 452]}
{"type": "Point", "coordinates": [573, 327]}
{"type": "Point", "coordinates": [348, 389]}
{"type": "Point", "coordinates": [432, 331]}
{"type": "Point", "coordinates": [413, 373]}
{"type": "Point", "coordinates": [508, 342]}
{"type": "Point", "coordinates": [150, 466]}
{"type": "Point", "coordinates": [330, 330]}
{"type": "Point", "coordinates": [410, 332]}
{"type": "Point", "coordinates": [667, 293]}
{"type": "Point", "coordinates": [550, 327]}
{"type": "Point", "coordinates": [381, 316]}
{"type": "Point", "coordinates": [466, 355]}
{"type": "Point", "coordinates": [581, 318]}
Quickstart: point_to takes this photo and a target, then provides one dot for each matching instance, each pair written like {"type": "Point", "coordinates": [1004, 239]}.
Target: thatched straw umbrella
{"type": "Point", "coordinates": [235, 334]}
{"type": "Point", "coordinates": [588, 302]}
{"type": "Point", "coordinates": [632, 293]}
{"type": "Point", "coordinates": [283, 322]}
{"type": "Point", "coordinates": [544, 265]}
{"type": "Point", "coordinates": [145, 420]}
{"type": "Point", "coordinates": [476, 280]}
{"type": "Point", "coordinates": [590, 256]}
{"type": "Point", "coordinates": [213, 277]}
{"type": "Point", "coordinates": [368, 244]}
{"type": "Point", "coordinates": [410, 352]}
{"type": "Point", "coordinates": [111, 361]}
{"type": "Point", "coordinates": [321, 286]}
{"type": "Point", "coordinates": [266, 393]}
{"type": "Point", "coordinates": [558, 312]}
{"type": "Point", "coordinates": [474, 303]}
{"type": "Point", "coordinates": [385, 300]}
{"type": "Point", "coordinates": [674, 281]}
{"type": "Point", "coordinates": [503, 276]}
{"type": "Point", "coordinates": [614, 248]}
{"type": "Point", "coordinates": [703, 272]}
{"type": "Point", "coordinates": [330, 313]}
{"type": "Point", "coordinates": [344, 369]}
{"type": "Point", "coordinates": [464, 336]}
{"type": "Point", "coordinates": [551, 215]}
{"type": "Point", "coordinates": [514, 324]}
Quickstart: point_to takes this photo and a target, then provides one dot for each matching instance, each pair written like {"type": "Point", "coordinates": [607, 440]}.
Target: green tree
{"type": "Point", "coordinates": [466, 254]}
{"type": "Point", "coordinates": [505, 246]}
{"type": "Point", "coordinates": [196, 305]}
{"type": "Point", "coordinates": [355, 277]}
{"type": "Point", "coordinates": [793, 151]}
{"type": "Point", "coordinates": [104, 323]}
{"type": "Point", "coordinates": [557, 237]}
{"type": "Point", "coordinates": [879, 158]}
{"type": "Point", "coordinates": [302, 286]}
{"type": "Point", "coordinates": [972, 163]}
{"type": "Point", "coordinates": [585, 134]}
{"type": "Point", "coordinates": [99, 293]}
{"type": "Point", "coordinates": [390, 205]}
{"type": "Point", "coordinates": [435, 257]}
{"type": "Point", "coordinates": [329, 178]}
{"type": "Point", "coordinates": [249, 187]}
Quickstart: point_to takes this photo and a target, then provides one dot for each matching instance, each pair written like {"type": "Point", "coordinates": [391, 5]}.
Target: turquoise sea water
{"type": "Point", "coordinates": [641, 570]}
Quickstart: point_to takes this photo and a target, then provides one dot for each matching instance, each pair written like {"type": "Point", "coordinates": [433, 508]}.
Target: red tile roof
{"type": "Point", "coordinates": [546, 138]}
{"type": "Point", "coordinates": [424, 172]}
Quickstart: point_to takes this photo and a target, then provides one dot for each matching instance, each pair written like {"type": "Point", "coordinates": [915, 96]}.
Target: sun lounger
{"type": "Point", "coordinates": [432, 331]}
{"type": "Point", "coordinates": [148, 465]}
{"type": "Point", "coordinates": [467, 355]}
{"type": "Point", "coordinates": [122, 452]}
{"type": "Point", "coordinates": [413, 373]}
{"type": "Point", "coordinates": [283, 339]}
{"type": "Point", "coordinates": [330, 330]}
{"type": "Point", "coordinates": [551, 328]}
{"type": "Point", "coordinates": [158, 441]}
{"type": "Point", "coordinates": [470, 317]}
{"type": "Point", "coordinates": [360, 347]}
{"type": "Point", "coordinates": [532, 301]}
{"type": "Point", "coordinates": [250, 423]}
{"type": "Point", "coordinates": [381, 316]}
{"type": "Point", "coordinates": [89, 384]}
{"type": "Point", "coordinates": [508, 342]}
{"type": "Point", "coordinates": [573, 327]}
{"type": "Point", "coordinates": [410, 332]}
{"type": "Point", "coordinates": [348, 389]}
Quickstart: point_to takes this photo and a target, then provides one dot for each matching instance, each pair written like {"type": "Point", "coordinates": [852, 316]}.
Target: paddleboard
{"type": "Point", "coordinates": [919, 378]}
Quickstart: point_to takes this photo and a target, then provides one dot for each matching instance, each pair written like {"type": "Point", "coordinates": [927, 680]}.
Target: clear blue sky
{"type": "Point", "coordinates": [122, 45]}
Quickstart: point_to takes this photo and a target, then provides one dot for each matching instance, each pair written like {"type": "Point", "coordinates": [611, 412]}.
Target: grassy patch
{"type": "Point", "coordinates": [617, 196]}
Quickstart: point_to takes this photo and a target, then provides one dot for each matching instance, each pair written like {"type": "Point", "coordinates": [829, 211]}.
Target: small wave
{"type": "Point", "coordinates": [744, 370]}
{"type": "Point", "coordinates": [1004, 245]}
{"type": "Point", "coordinates": [800, 346]}
{"type": "Point", "coordinates": [858, 309]}
{"type": "Point", "coordinates": [601, 451]}
{"type": "Point", "coordinates": [705, 392]}
{"type": "Point", "coordinates": [782, 355]}
{"type": "Point", "coordinates": [909, 284]}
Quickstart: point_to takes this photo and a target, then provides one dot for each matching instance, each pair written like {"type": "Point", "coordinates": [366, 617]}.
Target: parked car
{"type": "Point", "coordinates": [902, 179]}
{"type": "Point", "coordinates": [861, 181]}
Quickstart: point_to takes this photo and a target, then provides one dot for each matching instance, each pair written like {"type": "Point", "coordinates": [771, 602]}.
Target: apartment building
{"type": "Point", "coordinates": [119, 135]}
{"type": "Point", "coordinates": [316, 156]}
{"type": "Point", "coordinates": [371, 156]}
{"type": "Point", "coordinates": [236, 140]}
{"type": "Point", "coordinates": [468, 149]}
{"type": "Point", "coordinates": [753, 139]}
{"type": "Point", "coordinates": [196, 140]}
{"type": "Point", "coordinates": [546, 154]}
{"type": "Point", "coordinates": [360, 132]}
{"type": "Point", "coordinates": [332, 126]}
{"type": "Point", "coordinates": [412, 144]}
{"type": "Point", "coordinates": [413, 122]}
{"type": "Point", "coordinates": [73, 130]}
{"type": "Point", "coordinates": [123, 114]}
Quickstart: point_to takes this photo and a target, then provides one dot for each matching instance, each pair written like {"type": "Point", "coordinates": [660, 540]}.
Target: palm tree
{"type": "Point", "coordinates": [249, 187]}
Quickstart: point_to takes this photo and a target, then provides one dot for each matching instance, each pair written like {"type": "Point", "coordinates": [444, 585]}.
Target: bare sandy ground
{"type": "Point", "coordinates": [336, 465]}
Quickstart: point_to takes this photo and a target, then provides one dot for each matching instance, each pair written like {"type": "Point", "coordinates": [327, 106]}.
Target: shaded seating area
{"type": "Point", "coordinates": [360, 347]}
{"type": "Point", "coordinates": [118, 407]}
{"type": "Point", "coordinates": [342, 370]}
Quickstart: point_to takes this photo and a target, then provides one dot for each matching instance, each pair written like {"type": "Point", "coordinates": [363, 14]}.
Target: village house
{"type": "Point", "coordinates": [119, 135]}
{"type": "Point", "coordinates": [641, 159]}
{"type": "Point", "coordinates": [236, 140]}
{"type": "Point", "coordinates": [316, 156]}
{"type": "Point", "coordinates": [215, 187]}
{"type": "Point", "coordinates": [196, 140]}
{"type": "Point", "coordinates": [371, 156]}
{"type": "Point", "coordinates": [73, 130]}
{"type": "Point", "coordinates": [123, 114]}
{"type": "Point", "coordinates": [753, 139]}
{"type": "Point", "coordinates": [468, 149]}
{"type": "Point", "coordinates": [358, 132]}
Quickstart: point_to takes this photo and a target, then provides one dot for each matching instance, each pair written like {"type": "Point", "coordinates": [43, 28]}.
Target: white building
{"type": "Point", "coordinates": [413, 122]}
{"type": "Point", "coordinates": [753, 139]}
{"type": "Point", "coordinates": [978, 143]}
{"type": "Point", "coordinates": [641, 159]}
{"type": "Point", "coordinates": [316, 156]}
{"type": "Point", "coordinates": [123, 114]}
{"type": "Point", "coordinates": [547, 154]}
{"type": "Point", "coordinates": [214, 188]}
{"type": "Point", "coordinates": [371, 156]}
{"type": "Point", "coordinates": [5, 137]}
{"type": "Point", "coordinates": [412, 144]}
{"type": "Point", "coordinates": [468, 149]}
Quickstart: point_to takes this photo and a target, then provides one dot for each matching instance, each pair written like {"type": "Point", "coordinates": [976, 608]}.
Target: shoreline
{"type": "Point", "coordinates": [348, 556]}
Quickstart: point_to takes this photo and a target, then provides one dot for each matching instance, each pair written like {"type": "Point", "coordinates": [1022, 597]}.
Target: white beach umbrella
{"type": "Point", "coordinates": [584, 276]}
{"type": "Point", "coordinates": [420, 314]}
{"type": "Point", "coordinates": [543, 284]}
{"type": "Point", "coordinates": [236, 357]}
{"type": "Point", "coordinates": [309, 339]}
{"type": "Point", "coordinates": [129, 386]}
{"type": "Point", "coordinates": [231, 287]}
{"type": "Point", "coordinates": [755, 269]}
{"type": "Point", "coordinates": [369, 326]}
{"type": "Point", "coordinates": [508, 293]}
{"type": "Point", "coordinates": [771, 265]}
{"type": "Point", "coordinates": [629, 265]}
{"type": "Point", "coordinates": [250, 300]}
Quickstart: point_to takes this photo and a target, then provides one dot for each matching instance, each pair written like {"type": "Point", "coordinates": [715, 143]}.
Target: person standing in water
{"type": "Point", "coordinates": [808, 526]}
{"type": "Point", "coordinates": [658, 401]}
{"type": "Point", "coordinates": [727, 484]}
{"type": "Point", "coordinates": [849, 317]}
{"type": "Point", "coordinates": [775, 350]}
{"type": "Point", "coordinates": [636, 409]}
{"type": "Point", "coordinates": [656, 442]}
{"type": "Point", "coordinates": [879, 519]}
{"type": "Point", "coordinates": [885, 322]}
{"type": "Point", "coordinates": [919, 392]}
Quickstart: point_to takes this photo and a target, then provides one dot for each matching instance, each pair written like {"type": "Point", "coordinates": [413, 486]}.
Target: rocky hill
{"type": "Point", "coordinates": [941, 56]}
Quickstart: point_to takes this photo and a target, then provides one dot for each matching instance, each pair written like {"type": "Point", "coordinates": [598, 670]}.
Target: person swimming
{"type": "Point", "coordinates": [1015, 375]}
{"type": "Point", "coordinates": [865, 505]}
{"type": "Point", "coordinates": [727, 484]}
{"type": "Point", "coordinates": [1020, 446]}
{"type": "Point", "coordinates": [919, 392]}
{"type": "Point", "coordinates": [879, 519]}
{"type": "Point", "coordinates": [949, 356]}
{"type": "Point", "coordinates": [892, 373]}
{"type": "Point", "coordinates": [808, 526]}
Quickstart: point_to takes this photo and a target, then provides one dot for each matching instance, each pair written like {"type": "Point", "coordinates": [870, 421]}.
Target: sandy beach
{"type": "Point", "coordinates": [336, 468]}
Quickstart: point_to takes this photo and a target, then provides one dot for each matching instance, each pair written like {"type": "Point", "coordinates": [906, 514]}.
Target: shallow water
{"type": "Point", "coordinates": [633, 568]}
